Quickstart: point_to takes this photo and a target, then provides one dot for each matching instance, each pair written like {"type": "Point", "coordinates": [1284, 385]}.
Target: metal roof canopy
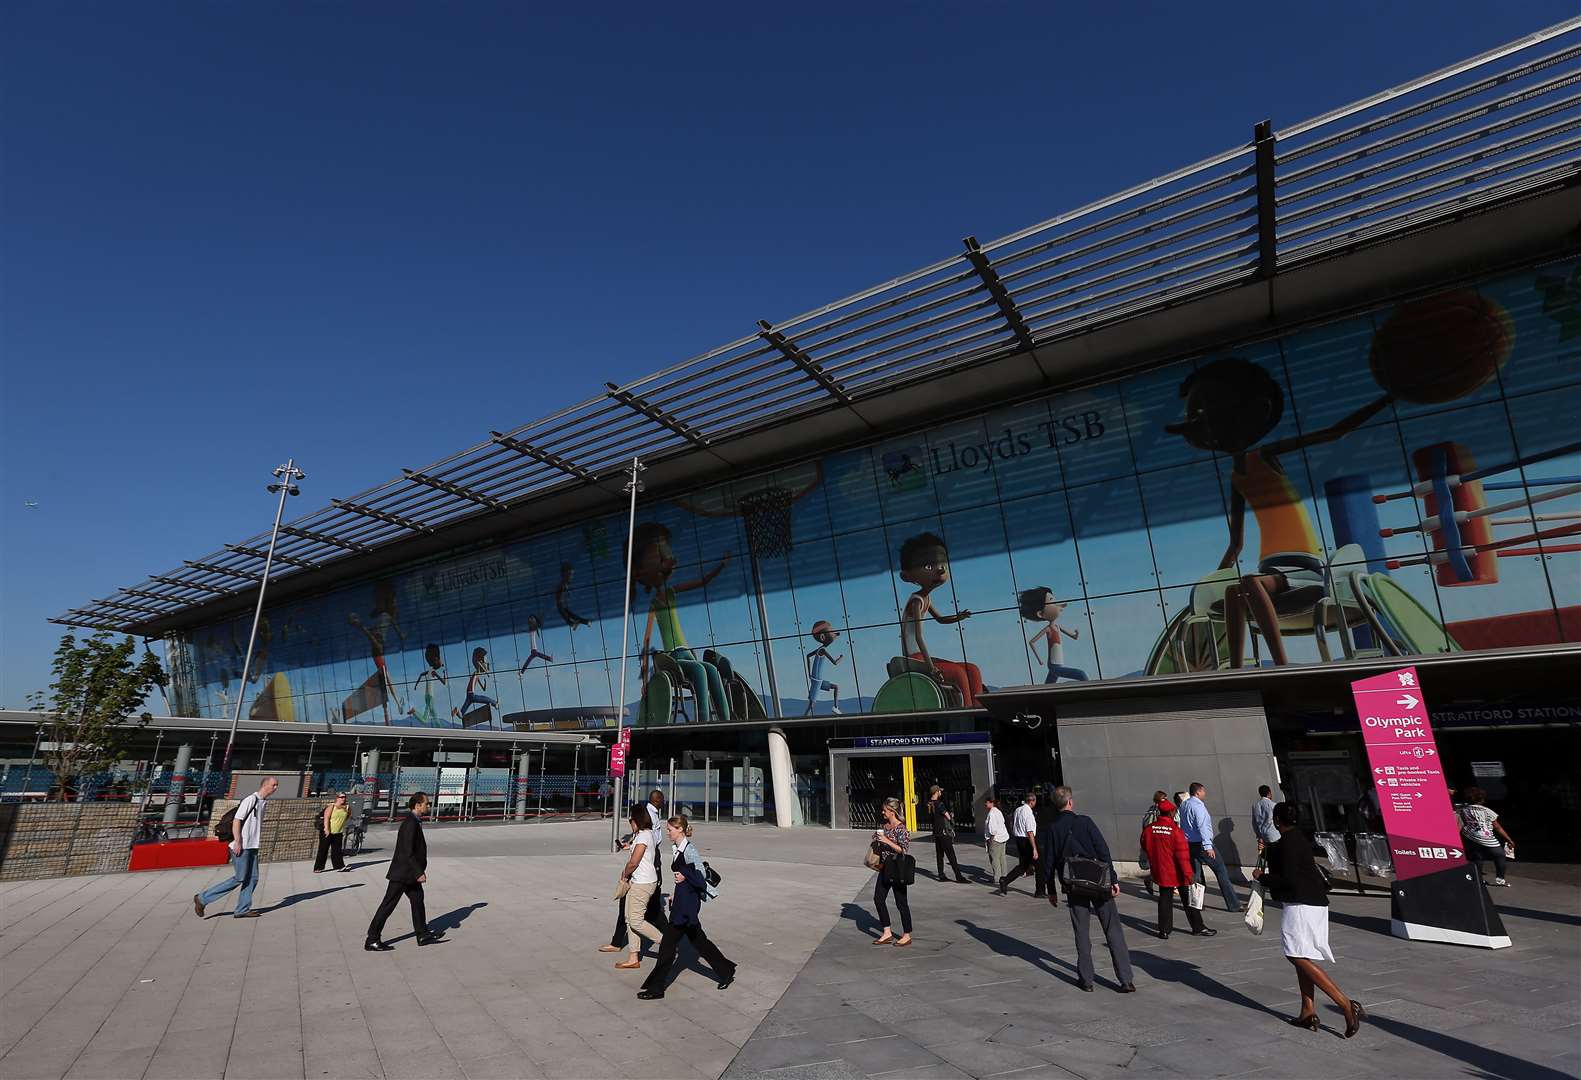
{"type": "Point", "coordinates": [366, 732]}
{"type": "Point", "coordinates": [1243, 240]}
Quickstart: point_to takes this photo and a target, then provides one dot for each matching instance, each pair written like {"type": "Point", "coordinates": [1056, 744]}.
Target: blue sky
{"type": "Point", "coordinates": [366, 234]}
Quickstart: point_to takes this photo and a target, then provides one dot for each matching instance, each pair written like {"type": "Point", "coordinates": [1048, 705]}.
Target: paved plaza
{"type": "Point", "coordinates": [115, 976]}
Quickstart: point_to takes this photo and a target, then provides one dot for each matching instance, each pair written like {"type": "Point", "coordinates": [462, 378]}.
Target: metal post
{"type": "Point", "coordinates": [708, 770]}
{"type": "Point", "coordinates": [576, 752]}
{"type": "Point", "coordinates": [27, 778]}
{"type": "Point", "coordinates": [1267, 236]}
{"type": "Point", "coordinates": [208, 768]}
{"type": "Point", "coordinates": [148, 785]}
{"type": "Point", "coordinates": [286, 475]}
{"type": "Point", "coordinates": [671, 795]}
{"type": "Point", "coordinates": [312, 743]}
{"type": "Point", "coordinates": [543, 763]}
{"type": "Point", "coordinates": [763, 624]}
{"type": "Point", "coordinates": [263, 748]}
{"type": "Point", "coordinates": [618, 788]}
{"type": "Point", "coordinates": [175, 795]}
{"type": "Point", "coordinates": [395, 774]}
{"type": "Point", "coordinates": [523, 774]}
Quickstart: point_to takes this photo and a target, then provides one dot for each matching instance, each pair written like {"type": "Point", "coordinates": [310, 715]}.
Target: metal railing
{"type": "Point", "coordinates": [1500, 126]}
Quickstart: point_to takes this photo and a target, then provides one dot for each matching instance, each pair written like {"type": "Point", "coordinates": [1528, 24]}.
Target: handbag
{"type": "Point", "coordinates": [1086, 878]}
{"type": "Point", "coordinates": [622, 888]}
{"type": "Point", "coordinates": [873, 860]}
{"type": "Point", "coordinates": [1254, 909]}
{"type": "Point", "coordinates": [1196, 893]}
{"type": "Point", "coordinates": [900, 869]}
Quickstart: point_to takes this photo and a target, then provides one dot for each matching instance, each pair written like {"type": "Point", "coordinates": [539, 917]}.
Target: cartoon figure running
{"type": "Point", "coordinates": [925, 563]}
{"type": "Point", "coordinates": [535, 643]}
{"type": "Point", "coordinates": [1039, 605]}
{"type": "Point", "coordinates": [434, 673]}
{"type": "Point", "coordinates": [824, 634]}
{"type": "Point", "coordinates": [1231, 403]}
{"type": "Point", "coordinates": [561, 599]}
{"type": "Point", "coordinates": [653, 562]}
{"type": "Point", "coordinates": [477, 683]}
{"type": "Point", "coordinates": [379, 689]}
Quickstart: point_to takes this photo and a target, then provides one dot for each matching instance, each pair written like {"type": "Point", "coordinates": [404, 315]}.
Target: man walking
{"type": "Point", "coordinates": [1263, 821]}
{"type": "Point", "coordinates": [1074, 836]}
{"type": "Point", "coordinates": [1197, 824]}
{"type": "Point", "coordinates": [1024, 828]}
{"type": "Point", "coordinates": [408, 871]}
{"type": "Point", "coordinates": [998, 836]}
{"type": "Point", "coordinates": [246, 831]}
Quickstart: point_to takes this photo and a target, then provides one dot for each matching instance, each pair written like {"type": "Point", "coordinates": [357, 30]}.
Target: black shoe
{"type": "Point", "coordinates": [1041, 894]}
{"type": "Point", "coordinates": [1308, 1022]}
{"type": "Point", "coordinates": [1003, 890]}
{"type": "Point", "coordinates": [724, 983]}
{"type": "Point", "coordinates": [428, 939]}
{"type": "Point", "coordinates": [1357, 1015]}
{"type": "Point", "coordinates": [650, 995]}
{"type": "Point", "coordinates": [1128, 988]}
{"type": "Point", "coordinates": [197, 904]}
{"type": "Point", "coordinates": [959, 880]}
{"type": "Point", "coordinates": [1086, 987]}
{"type": "Point", "coordinates": [1163, 935]}
{"type": "Point", "coordinates": [1206, 931]}
{"type": "Point", "coordinates": [250, 915]}
{"type": "Point", "coordinates": [377, 946]}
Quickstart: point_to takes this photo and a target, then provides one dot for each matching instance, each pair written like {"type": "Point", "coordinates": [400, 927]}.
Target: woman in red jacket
{"type": "Point", "coordinates": [1169, 857]}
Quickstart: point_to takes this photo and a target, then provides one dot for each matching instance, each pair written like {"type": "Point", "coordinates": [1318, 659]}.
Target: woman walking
{"type": "Point", "coordinates": [1485, 837]}
{"type": "Point", "coordinates": [943, 833]}
{"type": "Point", "coordinates": [1293, 879]}
{"type": "Point", "coordinates": [691, 889]}
{"type": "Point", "coordinates": [331, 834]}
{"type": "Point", "coordinates": [893, 842]}
{"type": "Point", "coordinates": [641, 876]}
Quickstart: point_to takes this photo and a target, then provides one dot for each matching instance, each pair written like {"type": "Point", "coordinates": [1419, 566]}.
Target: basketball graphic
{"type": "Point", "coordinates": [1441, 348]}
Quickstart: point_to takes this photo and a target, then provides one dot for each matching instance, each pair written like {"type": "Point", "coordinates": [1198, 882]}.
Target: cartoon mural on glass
{"type": "Point", "coordinates": [1402, 482]}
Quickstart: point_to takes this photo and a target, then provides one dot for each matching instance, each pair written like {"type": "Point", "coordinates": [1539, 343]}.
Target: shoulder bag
{"type": "Point", "coordinates": [1086, 878]}
{"type": "Point", "coordinates": [900, 869]}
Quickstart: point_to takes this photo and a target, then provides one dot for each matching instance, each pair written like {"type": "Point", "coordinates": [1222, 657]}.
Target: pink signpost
{"type": "Point", "coordinates": [617, 753]}
{"type": "Point", "coordinates": [1437, 894]}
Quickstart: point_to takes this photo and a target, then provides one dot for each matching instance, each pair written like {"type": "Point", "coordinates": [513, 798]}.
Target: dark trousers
{"type": "Point", "coordinates": [1081, 913]}
{"type": "Point", "coordinates": [1166, 909]}
{"type": "Point", "coordinates": [1480, 853]}
{"type": "Point", "coordinates": [881, 890]}
{"type": "Point", "coordinates": [655, 915]}
{"type": "Point", "coordinates": [1026, 864]}
{"type": "Point", "coordinates": [944, 848]}
{"type": "Point", "coordinates": [330, 844]}
{"type": "Point", "coordinates": [672, 941]}
{"type": "Point", "coordinates": [1200, 858]}
{"type": "Point", "coordinates": [392, 896]}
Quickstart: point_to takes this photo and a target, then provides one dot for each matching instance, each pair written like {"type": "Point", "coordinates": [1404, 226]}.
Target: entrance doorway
{"type": "Point", "coordinates": [872, 780]}
{"type": "Point", "coordinates": [863, 772]}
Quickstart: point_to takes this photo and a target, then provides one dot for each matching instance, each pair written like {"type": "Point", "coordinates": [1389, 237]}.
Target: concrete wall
{"type": "Point", "coordinates": [40, 840]}
{"type": "Point", "coordinates": [1115, 753]}
{"type": "Point", "coordinates": [289, 832]}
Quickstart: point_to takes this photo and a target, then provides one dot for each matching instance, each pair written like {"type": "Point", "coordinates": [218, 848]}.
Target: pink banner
{"type": "Point", "coordinates": [617, 753]}
{"type": "Point", "coordinates": [1424, 835]}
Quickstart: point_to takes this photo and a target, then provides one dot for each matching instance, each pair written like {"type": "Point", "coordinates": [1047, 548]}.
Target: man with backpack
{"type": "Point", "coordinates": [1078, 858]}
{"type": "Point", "coordinates": [243, 827]}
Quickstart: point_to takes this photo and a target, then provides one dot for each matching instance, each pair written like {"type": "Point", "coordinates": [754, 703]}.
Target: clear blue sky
{"type": "Point", "coordinates": [365, 234]}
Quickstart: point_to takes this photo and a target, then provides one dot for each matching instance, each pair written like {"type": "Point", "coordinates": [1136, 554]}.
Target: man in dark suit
{"type": "Point", "coordinates": [408, 870]}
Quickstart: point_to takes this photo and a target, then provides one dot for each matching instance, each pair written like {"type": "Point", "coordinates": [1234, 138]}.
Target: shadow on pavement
{"type": "Point", "coordinates": [1371, 923]}
{"type": "Point", "coordinates": [1489, 1062]}
{"type": "Point", "coordinates": [1005, 945]}
{"type": "Point", "coordinates": [1545, 916]}
{"type": "Point", "coordinates": [452, 919]}
{"type": "Point", "coordinates": [1165, 969]}
{"type": "Point", "coordinates": [865, 920]}
{"type": "Point", "coordinates": [297, 898]}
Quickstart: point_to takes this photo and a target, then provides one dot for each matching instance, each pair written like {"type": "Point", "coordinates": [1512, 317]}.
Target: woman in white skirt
{"type": "Point", "coordinates": [1292, 878]}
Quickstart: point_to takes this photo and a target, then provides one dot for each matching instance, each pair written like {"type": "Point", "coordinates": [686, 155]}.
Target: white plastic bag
{"type": "Point", "coordinates": [1254, 910]}
{"type": "Point", "coordinates": [1196, 892]}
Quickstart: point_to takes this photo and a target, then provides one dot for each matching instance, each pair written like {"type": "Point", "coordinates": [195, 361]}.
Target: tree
{"type": "Point", "coordinates": [98, 687]}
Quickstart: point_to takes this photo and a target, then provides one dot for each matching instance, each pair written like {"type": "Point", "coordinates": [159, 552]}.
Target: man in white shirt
{"type": "Point", "coordinates": [1024, 828]}
{"type": "Point", "coordinates": [997, 835]}
{"type": "Point", "coordinates": [246, 831]}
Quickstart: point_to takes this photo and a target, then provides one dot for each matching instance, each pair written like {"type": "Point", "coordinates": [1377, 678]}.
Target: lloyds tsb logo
{"type": "Point", "coordinates": [1012, 443]}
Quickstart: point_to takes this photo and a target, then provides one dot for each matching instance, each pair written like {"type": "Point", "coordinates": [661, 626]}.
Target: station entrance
{"type": "Point", "coordinates": [865, 771]}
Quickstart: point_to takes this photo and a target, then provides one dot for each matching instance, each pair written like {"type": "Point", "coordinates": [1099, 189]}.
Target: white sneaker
{"type": "Point", "coordinates": [836, 710]}
{"type": "Point", "coordinates": [1501, 882]}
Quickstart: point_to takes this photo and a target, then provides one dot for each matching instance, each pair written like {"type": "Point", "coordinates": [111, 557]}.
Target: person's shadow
{"type": "Point", "coordinates": [297, 898]}
{"type": "Point", "coordinates": [864, 919]}
{"type": "Point", "coordinates": [1004, 945]}
{"type": "Point", "coordinates": [1224, 843]}
{"type": "Point", "coordinates": [450, 920]}
{"type": "Point", "coordinates": [1166, 969]}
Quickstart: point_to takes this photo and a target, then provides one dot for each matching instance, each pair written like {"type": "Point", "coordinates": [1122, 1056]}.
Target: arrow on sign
{"type": "Point", "coordinates": [1416, 794]}
{"type": "Point", "coordinates": [1456, 852]}
{"type": "Point", "coordinates": [1410, 701]}
{"type": "Point", "coordinates": [1379, 771]}
{"type": "Point", "coordinates": [1431, 751]}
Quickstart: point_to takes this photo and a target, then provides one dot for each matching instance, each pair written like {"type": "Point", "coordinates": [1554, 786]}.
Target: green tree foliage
{"type": "Point", "coordinates": [99, 686]}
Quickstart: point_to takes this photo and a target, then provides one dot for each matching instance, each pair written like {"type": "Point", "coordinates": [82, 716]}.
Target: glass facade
{"type": "Point", "coordinates": [1407, 481]}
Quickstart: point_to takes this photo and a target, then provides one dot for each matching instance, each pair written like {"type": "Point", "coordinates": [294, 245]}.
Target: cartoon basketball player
{"type": "Point", "coordinates": [824, 635]}
{"type": "Point", "coordinates": [379, 689]}
{"type": "Point", "coordinates": [925, 563]}
{"type": "Point", "coordinates": [434, 673]}
{"type": "Point", "coordinates": [1231, 403]}
{"type": "Point", "coordinates": [652, 563]}
{"type": "Point", "coordinates": [477, 683]}
{"type": "Point", "coordinates": [1039, 605]}
{"type": "Point", "coordinates": [535, 642]}
{"type": "Point", "coordinates": [561, 601]}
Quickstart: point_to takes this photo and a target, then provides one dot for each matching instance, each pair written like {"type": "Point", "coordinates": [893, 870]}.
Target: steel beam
{"type": "Point", "coordinates": [452, 489]}
{"type": "Point", "coordinates": [554, 461]}
{"type": "Point", "coordinates": [306, 564]}
{"type": "Point", "coordinates": [323, 538]}
{"type": "Point", "coordinates": [245, 575]}
{"type": "Point", "coordinates": [810, 367]}
{"type": "Point", "coordinates": [190, 585]}
{"type": "Point", "coordinates": [996, 289]}
{"type": "Point", "coordinates": [656, 414]}
{"type": "Point", "coordinates": [380, 515]}
{"type": "Point", "coordinates": [145, 594]}
{"type": "Point", "coordinates": [144, 608]}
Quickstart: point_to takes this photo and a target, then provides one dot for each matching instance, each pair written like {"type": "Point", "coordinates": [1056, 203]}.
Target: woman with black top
{"type": "Point", "coordinates": [943, 833]}
{"type": "Point", "coordinates": [1293, 879]}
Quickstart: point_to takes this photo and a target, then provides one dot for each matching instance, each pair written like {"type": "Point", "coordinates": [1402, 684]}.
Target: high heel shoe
{"type": "Point", "coordinates": [1308, 1022]}
{"type": "Point", "coordinates": [1358, 1013]}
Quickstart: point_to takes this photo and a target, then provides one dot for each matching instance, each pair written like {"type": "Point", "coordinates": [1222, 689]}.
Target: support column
{"type": "Point", "coordinates": [523, 774]}
{"type": "Point", "coordinates": [370, 777]}
{"type": "Point", "coordinates": [782, 776]}
{"type": "Point", "coordinates": [178, 783]}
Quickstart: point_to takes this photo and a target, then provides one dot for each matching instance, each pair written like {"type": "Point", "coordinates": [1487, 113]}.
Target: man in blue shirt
{"type": "Point", "coordinates": [1071, 835]}
{"type": "Point", "coordinates": [1197, 824]}
{"type": "Point", "coordinates": [1263, 819]}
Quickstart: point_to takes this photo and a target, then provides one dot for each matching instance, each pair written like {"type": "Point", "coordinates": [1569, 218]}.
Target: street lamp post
{"type": "Point", "coordinates": [633, 486]}
{"type": "Point", "coordinates": [286, 477]}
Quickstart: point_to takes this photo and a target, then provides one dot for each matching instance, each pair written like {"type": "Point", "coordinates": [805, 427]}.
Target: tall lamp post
{"type": "Point", "coordinates": [286, 477]}
{"type": "Point", "coordinates": [633, 485]}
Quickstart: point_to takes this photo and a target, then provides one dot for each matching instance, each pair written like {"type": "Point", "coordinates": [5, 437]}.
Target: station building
{"type": "Point", "coordinates": [1125, 500]}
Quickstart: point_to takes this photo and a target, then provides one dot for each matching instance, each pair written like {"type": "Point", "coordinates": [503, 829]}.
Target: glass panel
{"type": "Point", "coordinates": [1112, 540]}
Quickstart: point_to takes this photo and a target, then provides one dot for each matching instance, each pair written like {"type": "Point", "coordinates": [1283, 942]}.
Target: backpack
{"type": "Point", "coordinates": [225, 827]}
